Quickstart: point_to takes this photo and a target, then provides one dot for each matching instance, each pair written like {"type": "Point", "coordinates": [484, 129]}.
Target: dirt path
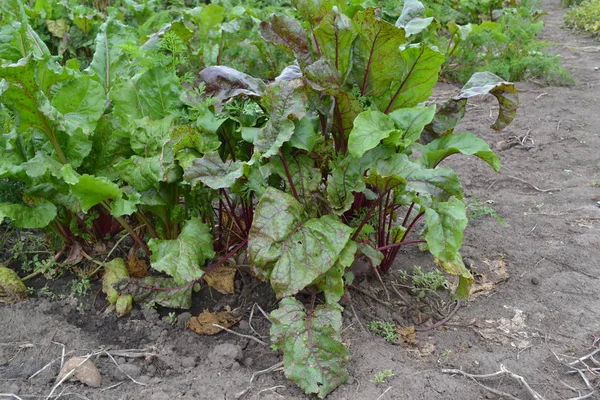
{"type": "Point", "coordinates": [548, 193]}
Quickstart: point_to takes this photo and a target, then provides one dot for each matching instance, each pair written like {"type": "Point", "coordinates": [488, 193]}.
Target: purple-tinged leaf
{"type": "Point", "coordinates": [213, 172]}
{"type": "Point", "coordinates": [224, 83]}
{"type": "Point", "coordinates": [153, 290]}
{"type": "Point", "coordinates": [335, 35]}
{"type": "Point", "coordinates": [288, 34]}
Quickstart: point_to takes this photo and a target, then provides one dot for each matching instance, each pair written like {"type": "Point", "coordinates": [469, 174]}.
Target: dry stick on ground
{"type": "Point", "coordinates": [255, 375]}
{"type": "Point", "coordinates": [442, 321]}
{"type": "Point", "coordinates": [257, 340]}
{"type": "Point", "coordinates": [383, 394]}
{"type": "Point", "coordinates": [11, 395]}
{"type": "Point", "coordinates": [503, 371]}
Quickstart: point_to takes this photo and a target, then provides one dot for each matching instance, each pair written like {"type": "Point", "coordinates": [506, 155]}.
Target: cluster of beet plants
{"type": "Point", "coordinates": [340, 156]}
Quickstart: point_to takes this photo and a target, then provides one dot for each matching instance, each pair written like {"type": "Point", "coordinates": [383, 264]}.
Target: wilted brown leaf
{"type": "Point", "coordinates": [203, 323]}
{"type": "Point", "coordinates": [221, 279]}
{"type": "Point", "coordinates": [85, 371]}
{"type": "Point", "coordinates": [137, 267]}
{"type": "Point", "coordinates": [486, 282]}
{"type": "Point", "coordinates": [75, 254]}
{"type": "Point", "coordinates": [406, 335]}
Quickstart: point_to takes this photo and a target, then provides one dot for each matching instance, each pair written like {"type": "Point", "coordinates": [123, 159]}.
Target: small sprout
{"type": "Point", "coordinates": [382, 376]}
{"type": "Point", "coordinates": [386, 330]}
{"type": "Point", "coordinates": [171, 318]}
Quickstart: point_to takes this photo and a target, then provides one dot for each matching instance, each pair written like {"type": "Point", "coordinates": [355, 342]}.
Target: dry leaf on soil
{"type": "Point", "coordinates": [486, 282]}
{"type": "Point", "coordinates": [75, 254]}
{"type": "Point", "coordinates": [85, 371]}
{"type": "Point", "coordinates": [510, 332]}
{"type": "Point", "coordinates": [203, 323]}
{"type": "Point", "coordinates": [222, 279]}
{"type": "Point", "coordinates": [137, 267]}
{"type": "Point", "coordinates": [406, 335]}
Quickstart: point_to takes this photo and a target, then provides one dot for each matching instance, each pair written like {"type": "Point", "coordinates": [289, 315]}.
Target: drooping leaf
{"type": "Point", "coordinates": [314, 356]}
{"type": "Point", "coordinates": [108, 62]}
{"type": "Point", "coordinates": [153, 290]}
{"type": "Point", "coordinates": [285, 101]}
{"type": "Point", "coordinates": [183, 258]}
{"type": "Point", "coordinates": [412, 18]}
{"type": "Point", "coordinates": [445, 225]}
{"type": "Point", "coordinates": [224, 83]}
{"type": "Point", "coordinates": [290, 250]}
{"type": "Point", "coordinates": [410, 122]}
{"type": "Point", "coordinates": [332, 283]}
{"type": "Point", "coordinates": [304, 136]}
{"type": "Point", "coordinates": [370, 127]}
{"type": "Point", "coordinates": [287, 33]}
{"type": "Point", "coordinates": [29, 217]}
{"type": "Point", "coordinates": [375, 256]}
{"type": "Point", "coordinates": [213, 172]}
{"type": "Point", "coordinates": [452, 112]}
{"type": "Point", "coordinates": [465, 143]}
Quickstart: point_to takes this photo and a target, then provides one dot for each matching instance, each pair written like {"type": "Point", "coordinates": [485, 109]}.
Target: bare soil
{"type": "Point", "coordinates": [538, 306]}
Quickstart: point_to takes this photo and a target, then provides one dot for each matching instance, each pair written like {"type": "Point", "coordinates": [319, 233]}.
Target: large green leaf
{"type": "Point", "coordinates": [18, 40]}
{"type": "Point", "coordinates": [143, 173]}
{"type": "Point", "coordinates": [465, 143]}
{"type": "Point", "coordinates": [314, 356]}
{"type": "Point", "coordinates": [285, 101]}
{"type": "Point", "coordinates": [108, 63]}
{"type": "Point", "coordinates": [305, 176]}
{"type": "Point", "coordinates": [442, 183]}
{"type": "Point", "coordinates": [345, 179]}
{"type": "Point", "coordinates": [370, 127]}
{"type": "Point", "coordinates": [26, 216]}
{"type": "Point", "coordinates": [412, 18]}
{"type": "Point", "coordinates": [183, 258]}
{"type": "Point", "coordinates": [155, 94]}
{"type": "Point", "coordinates": [410, 122]}
{"type": "Point", "coordinates": [224, 83]}
{"type": "Point", "coordinates": [213, 172]}
{"type": "Point", "coordinates": [91, 190]}
{"type": "Point", "coordinates": [481, 83]}
{"type": "Point", "coordinates": [289, 249]}
{"type": "Point", "coordinates": [332, 283]}
{"type": "Point", "coordinates": [445, 225]}
{"type": "Point", "coordinates": [149, 136]}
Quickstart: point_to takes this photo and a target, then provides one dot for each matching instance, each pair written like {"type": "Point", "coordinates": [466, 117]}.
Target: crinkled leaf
{"type": "Point", "coordinates": [412, 19]}
{"type": "Point", "coordinates": [304, 136]}
{"type": "Point", "coordinates": [335, 35]}
{"type": "Point", "coordinates": [291, 251]}
{"type": "Point", "coordinates": [287, 33]}
{"type": "Point", "coordinates": [345, 179]}
{"type": "Point", "coordinates": [143, 173]}
{"type": "Point", "coordinates": [442, 183]}
{"type": "Point", "coordinates": [154, 290]}
{"type": "Point", "coordinates": [410, 122]}
{"type": "Point", "coordinates": [213, 172]}
{"type": "Point", "coordinates": [457, 267]}
{"type": "Point", "coordinates": [332, 283]}
{"type": "Point", "coordinates": [18, 40]}
{"type": "Point", "coordinates": [26, 216]}
{"type": "Point", "coordinates": [57, 27]}
{"type": "Point", "coordinates": [149, 136]}
{"type": "Point", "coordinates": [91, 190]}
{"type": "Point", "coordinates": [314, 356]}
{"type": "Point", "coordinates": [155, 94]}
{"type": "Point", "coordinates": [182, 258]}
{"type": "Point", "coordinates": [224, 83]}
{"type": "Point", "coordinates": [125, 206]}
{"type": "Point", "coordinates": [370, 127]}
{"type": "Point", "coordinates": [305, 175]}
{"type": "Point", "coordinates": [108, 63]}
{"type": "Point", "coordinates": [465, 143]}
{"type": "Point", "coordinates": [445, 225]}
{"type": "Point", "coordinates": [187, 137]}
{"type": "Point", "coordinates": [284, 101]}
{"type": "Point", "coordinates": [452, 112]}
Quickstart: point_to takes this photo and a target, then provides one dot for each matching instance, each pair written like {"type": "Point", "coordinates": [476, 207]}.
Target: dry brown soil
{"type": "Point", "coordinates": [546, 314]}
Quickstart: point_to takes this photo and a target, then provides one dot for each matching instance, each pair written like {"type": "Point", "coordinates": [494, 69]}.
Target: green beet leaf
{"type": "Point", "coordinates": [305, 176]}
{"type": "Point", "coordinates": [335, 35]}
{"type": "Point", "coordinates": [345, 179]}
{"type": "Point", "coordinates": [287, 33]}
{"type": "Point", "coordinates": [213, 172]}
{"type": "Point", "coordinates": [442, 183]}
{"type": "Point", "coordinates": [445, 225]}
{"type": "Point", "coordinates": [410, 122]}
{"type": "Point", "coordinates": [465, 143]}
{"type": "Point", "coordinates": [332, 283]}
{"type": "Point", "coordinates": [290, 250]}
{"type": "Point", "coordinates": [183, 258]}
{"type": "Point", "coordinates": [26, 216]}
{"type": "Point", "coordinates": [91, 190]}
{"type": "Point", "coordinates": [314, 356]}
{"type": "Point", "coordinates": [370, 127]}
{"type": "Point", "coordinates": [412, 18]}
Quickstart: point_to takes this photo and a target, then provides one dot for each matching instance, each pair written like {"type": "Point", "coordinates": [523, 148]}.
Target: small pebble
{"type": "Point", "coordinates": [535, 280]}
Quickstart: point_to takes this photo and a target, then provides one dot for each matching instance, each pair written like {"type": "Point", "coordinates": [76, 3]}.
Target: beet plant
{"type": "Point", "coordinates": [340, 156]}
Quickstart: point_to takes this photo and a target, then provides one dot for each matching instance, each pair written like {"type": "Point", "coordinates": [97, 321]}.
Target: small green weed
{"type": "Point", "coordinates": [382, 376]}
{"type": "Point", "coordinates": [586, 17]}
{"type": "Point", "coordinates": [478, 209]}
{"type": "Point", "coordinates": [386, 330]}
{"type": "Point", "coordinates": [171, 318]}
{"type": "Point", "coordinates": [424, 282]}
{"type": "Point", "coordinates": [80, 287]}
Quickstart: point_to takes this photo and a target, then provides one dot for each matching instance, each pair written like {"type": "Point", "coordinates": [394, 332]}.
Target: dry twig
{"type": "Point", "coordinates": [257, 340]}
{"type": "Point", "coordinates": [276, 367]}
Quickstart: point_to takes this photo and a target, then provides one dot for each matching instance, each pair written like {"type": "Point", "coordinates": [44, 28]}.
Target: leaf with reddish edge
{"type": "Point", "coordinates": [335, 35]}
{"type": "Point", "coordinates": [452, 112]}
{"type": "Point", "coordinates": [288, 34]}
{"type": "Point", "coordinates": [313, 353]}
